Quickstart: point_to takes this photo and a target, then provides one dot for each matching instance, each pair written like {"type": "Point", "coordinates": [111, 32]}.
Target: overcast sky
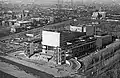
{"type": "Point", "coordinates": [55, 1]}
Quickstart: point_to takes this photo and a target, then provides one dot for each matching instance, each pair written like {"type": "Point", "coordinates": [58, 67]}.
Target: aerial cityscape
{"type": "Point", "coordinates": [59, 39]}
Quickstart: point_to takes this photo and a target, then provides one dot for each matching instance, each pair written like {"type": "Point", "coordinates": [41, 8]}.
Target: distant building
{"type": "Point", "coordinates": [98, 15]}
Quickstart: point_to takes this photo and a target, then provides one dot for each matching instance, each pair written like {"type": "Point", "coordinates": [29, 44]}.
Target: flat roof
{"type": "Point", "coordinates": [13, 20]}
{"type": "Point", "coordinates": [24, 21]}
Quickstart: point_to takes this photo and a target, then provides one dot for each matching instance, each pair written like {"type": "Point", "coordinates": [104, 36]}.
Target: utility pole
{"type": "Point", "coordinates": [82, 2]}
{"type": "Point", "coordinates": [72, 4]}
{"type": "Point", "coordinates": [62, 4]}
{"type": "Point", "coordinates": [58, 5]}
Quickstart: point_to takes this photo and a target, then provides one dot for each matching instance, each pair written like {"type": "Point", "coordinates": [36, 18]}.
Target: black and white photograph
{"type": "Point", "coordinates": [59, 38]}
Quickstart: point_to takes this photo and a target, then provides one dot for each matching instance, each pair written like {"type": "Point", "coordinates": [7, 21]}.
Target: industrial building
{"type": "Point", "coordinates": [56, 43]}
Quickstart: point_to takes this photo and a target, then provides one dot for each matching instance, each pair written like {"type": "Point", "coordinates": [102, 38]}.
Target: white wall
{"type": "Point", "coordinates": [51, 38]}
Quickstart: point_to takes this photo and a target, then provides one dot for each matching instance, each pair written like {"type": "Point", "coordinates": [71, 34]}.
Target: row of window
{"type": "Point", "coordinates": [81, 49]}
{"type": "Point", "coordinates": [104, 56]}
